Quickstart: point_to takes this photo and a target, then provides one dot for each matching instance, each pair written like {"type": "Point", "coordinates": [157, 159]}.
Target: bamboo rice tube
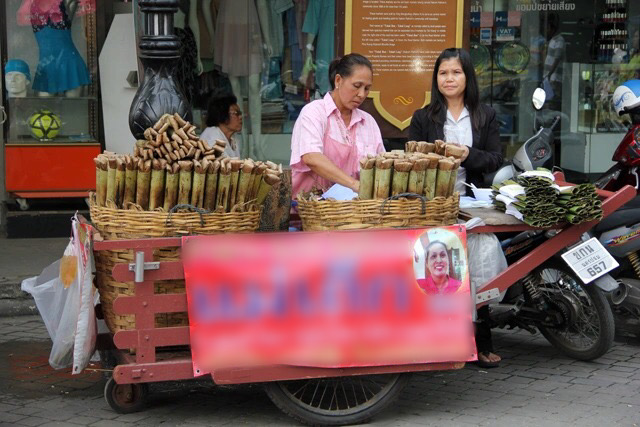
{"type": "Point", "coordinates": [101, 180]}
{"type": "Point", "coordinates": [445, 166]}
{"type": "Point", "coordinates": [223, 186]}
{"type": "Point", "coordinates": [171, 187]}
{"type": "Point", "coordinates": [198, 185]}
{"type": "Point", "coordinates": [211, 185]}
{"type": "Point", "coordinates": [454, 176]}
{"type": "Point", "coordinates": [425, 147]}
{"type": "Point", "coordinates": [430, 177]}
{"type": "Point", "coordinates": [440, 147]}
{"type": "Point", "coordinates": [417, 176]}
{"type": "Point", "coordinates": [235, 176]}
{"type": "Point", "coordinates": [156, 193]}
{"type": "Point", "coordinates": [121, 175]}
{"type": "Point", "coordinates": [400, 178]}
{"type": "Point", "coordinates": [143, 181]}
{"type": "Point", "coordinates": [454, 150]}
{"type": "Point", "coordinates": [184, 186]}
{"type": "Point", "coordinates": [411, 146]}
{"type": "Point", "coordinates": [367, 173]}
{"type": "Point", "coordinates": [111, 178]}
{"type": "Point", "coordinates": [382, 178]}
{"type": "Point", "coordinates": [244, 180]}
{"type": "Point", "coordinates": [131, 175]}
{"type": "Point", "coordinates": [267, 183]}
{"type": "Point", "coordinates": [255, 184]}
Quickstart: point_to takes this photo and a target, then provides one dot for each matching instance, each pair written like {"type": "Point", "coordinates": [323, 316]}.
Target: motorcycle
{"type": "Point", "coordinates": [574, 317]}
{"type": "Point", "coordinates": [620, 231]}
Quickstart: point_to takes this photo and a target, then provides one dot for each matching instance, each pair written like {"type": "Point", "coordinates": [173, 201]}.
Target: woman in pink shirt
{"type": "Point", "coordinates": [332, 134]}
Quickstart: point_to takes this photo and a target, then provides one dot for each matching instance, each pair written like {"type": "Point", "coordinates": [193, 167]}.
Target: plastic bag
{"type": "Point", "coordinates": [486, 259]}
{"type": "Point", "coordinates": [59, 306]}
{"type": "Point", "coordinates": [48, 292]}
{"type": "Point", "coordinates": [68, 310]}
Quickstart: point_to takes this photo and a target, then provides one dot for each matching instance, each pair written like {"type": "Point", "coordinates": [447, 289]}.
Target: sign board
{"type": "Point", "coordinates": [590, 260]}
{"type": "Point", "coordinates": [402, 38]}
{"type": "Point", "coordinates": [505, 34]}
{"type": "Point", "coordinates": [335, 299]}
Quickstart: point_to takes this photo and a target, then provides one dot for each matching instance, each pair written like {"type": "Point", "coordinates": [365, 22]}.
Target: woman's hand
{"type": "Point", "coordinates": [465, 154]}
{"type": "Point", "coordinates": [321, 165]}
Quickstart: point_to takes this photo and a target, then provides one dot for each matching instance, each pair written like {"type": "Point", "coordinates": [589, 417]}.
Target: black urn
{"type": "Point", "coordinates": [159, 92]}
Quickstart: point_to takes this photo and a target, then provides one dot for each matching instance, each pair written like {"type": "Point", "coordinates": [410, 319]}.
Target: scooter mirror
{"type": "Point", "coordinates": [538, 98]}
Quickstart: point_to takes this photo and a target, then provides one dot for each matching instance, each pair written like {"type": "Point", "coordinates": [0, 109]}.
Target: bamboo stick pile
{"type": "Point", "coordinates": [396, 172]}
{"type": "Point", "coordinates": [186, 170]}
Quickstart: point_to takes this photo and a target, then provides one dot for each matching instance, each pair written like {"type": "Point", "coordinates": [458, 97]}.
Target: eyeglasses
{"type": "Point", "coordinates": [236, 113]}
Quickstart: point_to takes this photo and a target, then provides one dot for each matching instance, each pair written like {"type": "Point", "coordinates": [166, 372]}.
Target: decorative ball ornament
{"type": "Point", "coordinates": [44, 125]}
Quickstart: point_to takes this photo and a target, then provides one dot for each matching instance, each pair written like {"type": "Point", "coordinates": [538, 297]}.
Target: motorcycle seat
{"type": "Point", "coordinates": [628, 214]}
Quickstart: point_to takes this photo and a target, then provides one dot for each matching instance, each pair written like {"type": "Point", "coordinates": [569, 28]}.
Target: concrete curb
{"type": "Point", "coordinates": [14, 302]}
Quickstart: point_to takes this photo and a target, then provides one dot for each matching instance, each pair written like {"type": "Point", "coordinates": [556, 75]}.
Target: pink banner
{"type": "Point", "coordinates": [336, 299]}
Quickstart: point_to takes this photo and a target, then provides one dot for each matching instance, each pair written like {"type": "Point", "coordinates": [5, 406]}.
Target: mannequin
{"type": "Point", "coordinates": [319, 24]}
{"type": "Point", "coordinates": [208, 21]}
{"type": "Point", "coordinates": [16, 77]}
{"type": "Point", "coordinates": [61, 69]}
{"type": "Point", "coordinates": [241, 28]}
{"type": "Point", "coordinates": [189, 16]}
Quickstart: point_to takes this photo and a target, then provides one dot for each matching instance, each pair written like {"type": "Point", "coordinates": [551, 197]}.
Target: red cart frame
{"type": "Point", "coordinates": [149, 365]}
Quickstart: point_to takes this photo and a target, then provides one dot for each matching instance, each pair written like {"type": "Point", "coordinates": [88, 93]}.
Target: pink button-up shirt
{"type": "Point", "coordinates": [316, 127]}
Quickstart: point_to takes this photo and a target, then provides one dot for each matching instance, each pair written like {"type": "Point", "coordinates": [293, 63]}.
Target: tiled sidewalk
{"type": "Point", "coordinates": [534, 386]}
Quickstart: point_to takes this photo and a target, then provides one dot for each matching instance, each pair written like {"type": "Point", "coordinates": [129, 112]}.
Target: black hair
{"type": "Point", "coordinates": [218, 109]}
{"type": "Point", "coordinates": [345, 66]}
{"type": "Point", "coordinates": [471, 93]}
{"type": "Point", "coordinates": [449, 256]}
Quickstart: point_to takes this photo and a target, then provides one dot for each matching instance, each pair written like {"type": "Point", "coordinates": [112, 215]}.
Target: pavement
{"type": "Point", "coordinates": [535, 385]}
{"type": "Point", "coordinates": [20, 259]}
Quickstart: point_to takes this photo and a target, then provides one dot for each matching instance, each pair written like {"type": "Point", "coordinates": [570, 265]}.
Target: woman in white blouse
{"type": "Point", "coordinates": [224, 119]}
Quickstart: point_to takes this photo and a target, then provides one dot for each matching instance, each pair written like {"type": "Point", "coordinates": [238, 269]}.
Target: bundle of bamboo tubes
{"type": "Point", "coordinates": [440, 147]}
{"type": "Point", "coordinates": [155, 178]}
{"type": "Point", "coordinates": [396, 172]}
{"type": "Point", "coordinates": [174, 139]}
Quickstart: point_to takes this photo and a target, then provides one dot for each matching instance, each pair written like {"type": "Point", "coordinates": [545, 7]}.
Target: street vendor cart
{"type": "Point", "coordinates": [143, 352]}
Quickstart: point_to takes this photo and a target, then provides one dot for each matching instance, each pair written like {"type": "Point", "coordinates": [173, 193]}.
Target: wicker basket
{"type": "Point", "coordinates": [118, 224]}
{"type": "Point", "coordinates": [402, 212]}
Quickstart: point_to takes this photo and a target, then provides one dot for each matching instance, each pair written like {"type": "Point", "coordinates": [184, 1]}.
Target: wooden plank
{"type": "Point", "coordinates": [158, 337]}
{"type": "Point", "coordinates": [284, 373]}
{"type": "Point", "coordinates": [169, 270]}
{"type": "Point", "coordinates": [157, 303]}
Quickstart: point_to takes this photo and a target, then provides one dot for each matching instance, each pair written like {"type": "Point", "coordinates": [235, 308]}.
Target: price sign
{"type": "Point", "coordinates": [590, 260]}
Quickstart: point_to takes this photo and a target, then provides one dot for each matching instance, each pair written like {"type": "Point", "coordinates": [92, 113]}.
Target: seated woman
{"type": "Point", "coordinates": [224, 119]}
{"type": "Point", "coordinates": [438, 270]}
{"type": "Point", "coordinates": [332, 134]}
{"type": "Point", "coordinates": [455, 114]}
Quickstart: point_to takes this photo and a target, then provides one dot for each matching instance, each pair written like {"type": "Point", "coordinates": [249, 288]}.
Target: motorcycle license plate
{"type": "Point", "coordinates": [589, 260]}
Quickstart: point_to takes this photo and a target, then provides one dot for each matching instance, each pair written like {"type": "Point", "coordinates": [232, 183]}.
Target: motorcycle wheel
{"type": "Point", "coordinates": [336, 401]}
{"type": "Point", "coordinates": [591, 331]}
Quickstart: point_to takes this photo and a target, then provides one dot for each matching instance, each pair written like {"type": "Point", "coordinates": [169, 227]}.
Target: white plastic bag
{"type": "Point", "coordinates": [49, 294]}
{"type": "Point", "coordinates": [59, 305]}
{"type": "Point", "coordinates": [65, 298]}
{"type": "Point", "coordinates": [486, 259]}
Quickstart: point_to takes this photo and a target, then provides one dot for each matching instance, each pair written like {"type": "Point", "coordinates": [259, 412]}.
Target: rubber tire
{"type": "Point", "coordinates": [605, 318]}
{"type": "Point", "coordinates": [140, 394]}
{"type": "Point", "coordinates": [294, 408]}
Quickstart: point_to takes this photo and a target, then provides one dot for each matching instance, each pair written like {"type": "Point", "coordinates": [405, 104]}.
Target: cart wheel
{"type": "Point", "coordinates": [125, 398]}
{"type": "Point", "coordinates": [336, 401]}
